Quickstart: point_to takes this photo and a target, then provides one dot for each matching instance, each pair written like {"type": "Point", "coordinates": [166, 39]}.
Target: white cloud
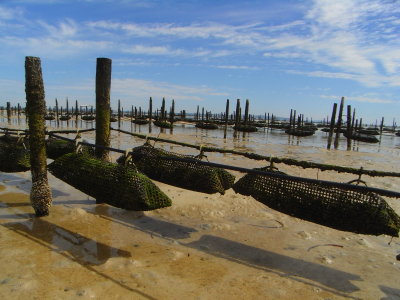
{"type": "Point", "coordinates": [235, 67]}
{"type": "Point", "coordinates": [9, 13]}
{"type": "Point", "coordinates": [364, 99]}
{"type": "Point", "coordinates": [138, 88]}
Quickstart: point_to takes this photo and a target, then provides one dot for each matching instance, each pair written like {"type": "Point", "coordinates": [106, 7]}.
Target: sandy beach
{"type": "Point", "coordinates": [202, 247]}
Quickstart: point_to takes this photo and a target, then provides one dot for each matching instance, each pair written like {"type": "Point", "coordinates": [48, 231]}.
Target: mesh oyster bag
{"type": "Point", "coordinates": [188, 175]}
{"type": "Point", "coordinates": [14, 157]}
{"type": "Point", "coordinates": [110, 183]}
{"type": "Point", "coordinates": [339, 208]}
{"type": "Point", "coordinates": [57, 147]}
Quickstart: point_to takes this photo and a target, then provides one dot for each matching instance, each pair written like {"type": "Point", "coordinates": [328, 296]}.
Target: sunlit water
{"type": "Point", "coordinates": [270, 142]}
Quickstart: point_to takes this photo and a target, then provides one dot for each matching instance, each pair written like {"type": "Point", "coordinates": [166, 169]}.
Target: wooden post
{"type": "Point", "coordinates": [246, 113]}
{"type": "Point", "coordinates": [339, 123]}
{"type": "Point", "coordinates": [332, 126]}
{"type": "Point", "coordinates": [197, 114]}
{"type": "Point", "coordinates": [103, 86]}
{"type": "Point", "coordinates": [57, 115]}
{"type": "Point", "coordinates": [76, 113]}
{"type": "Point", "coordinates": [150, 113]}
{"type": "Point", "coordinates": [119, 114]}
{"type": "Point", "coordinates": [290, 118]}
{"type": "Point", "coordinates": [381, 127]}
{"type": "Point", "coordinates": [8, 112]}
{"type": "Point", "coordinates": [40, 195]}
{"type": "Point", "coordinates": [163, 109]}
{"type": "Point", "coordinates": [237, 117]}
{"type": "Point", "coordinates": [172, 112]}
{"type": "Point", "coordinates": [226, 117]}
{"type": "Point", "coordinates": [349, 130]}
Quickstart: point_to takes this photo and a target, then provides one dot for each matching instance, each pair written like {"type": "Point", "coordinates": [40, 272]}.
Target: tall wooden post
{"type": "Point", "coordinates": [172, 112]}
{"type": "Point", "coordinates": [8, 112]}
{"type": "Point", "coordinates": [163, 109]}
{"type": "Point", "coordinates": [226, 117]}
{"type": "Point", "coordinates": [332, 126]}
{"type": "Point", "coordinates": [237, 117]}
{"type": "Point", "coordinates": [40, 195]}
{"type": "Point", "coordinates": [150, 113]}
{"type": "Point", "coordinates": [76, 113]}
{"type": "Point", "coordinates": [246, 112]}
{"type": "Point", "coordinates": [349, 130]}
{"type": "Point", "coordinates": [339, 123]}
{"type": "Point", "coordinates": [119, 114]}
{"type": "Point", "coordinates": [103, 86]}
{"type": "Point", "coordinates": [197, 113]}
{"type": "Point", "coordinates": [381, 127]}
{"type": "Point", "coordinates": [57, 115]}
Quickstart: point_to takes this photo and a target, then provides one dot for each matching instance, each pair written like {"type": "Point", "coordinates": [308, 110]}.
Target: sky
{"type": "Point", "coordinates": [279, 54]}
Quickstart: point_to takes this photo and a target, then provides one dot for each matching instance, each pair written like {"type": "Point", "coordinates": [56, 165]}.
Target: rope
{"type": "Point", "coordinates": [287, 161]}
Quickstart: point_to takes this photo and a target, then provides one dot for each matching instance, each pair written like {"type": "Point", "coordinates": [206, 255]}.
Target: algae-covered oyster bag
{"type": "Point", "coordinates": [156, 164]}
{"type": "Point", "coordinates": [339, 208]}
{"type": "Point", "coordinates": [58, 147]}
{"type": "Point", "coordinates": [107, 182]}
{"type": "Point", "coordinates": [14, 157]}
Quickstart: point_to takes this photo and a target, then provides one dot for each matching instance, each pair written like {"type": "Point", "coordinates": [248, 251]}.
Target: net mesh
{"type": "Point", "coordinates": [189, 175]}
{"type": "Point", "coordinates": [14, 157]}
{"type": "Point", "coordinates": [343, 209]}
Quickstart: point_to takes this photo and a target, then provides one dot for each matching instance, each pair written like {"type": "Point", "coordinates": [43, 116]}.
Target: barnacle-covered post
{"type": "Point", "coordinates": [349, 129]}
{"type": "Point", "coordinates": [76, 113]}
{"type": "Point", "coordinates": [36, 109]}
{"type": "Point", "coordinates": [381, 127]}
{"type": "Point", "coordinates": [8, 112]}
{"type": "Point", "coordinates": [226, 117]}
{"type": "Point", "coordinates": [332, 126]}
{"type": "Point", "coordinates": [339, 123]}
{"type": "Point", "coordinates": [119, 114]}
{"type": "Point", "coordinates": [150, 113]}
{"type": "Point", "coordinates": [163, 109]}
{"type": "Point", "coordinates": [246, 113]}
{"type": "Point", "coordinates": [57, 116]}
{"type": "Point", "coordinates": [103, 86]}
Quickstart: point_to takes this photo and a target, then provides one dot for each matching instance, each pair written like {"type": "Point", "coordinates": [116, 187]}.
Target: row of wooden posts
{"type": "Point", "coordinates": [36, 111]}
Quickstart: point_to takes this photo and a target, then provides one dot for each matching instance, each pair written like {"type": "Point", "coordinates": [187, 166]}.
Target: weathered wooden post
{"type": "Point", "coordinates": [162, 112]}
{"type": "Point", "coordinates": [332, 126]}
{"type": "Point", "coordinates": [246, 112]}
{"type": "Point", "coordinates": [40, 195]}
{"type": "Point", "coordinates": [119, 114]}
{"type": "Point", "coordinates": [237, 117]}
{"type": "Point", "coordinates": [172, 112]}
{"type": "Point", "coordinates": [381, 127]}
{"type": "Point", "coordinates": [339, 123]}
{"type": "Point", "coordinates": [103, 86]}
{"type": "Point", "coordinates": [8, 112]}
{"type": "Point", "coordinates": [349, 130]}
{"type": "Point", "coordinates": [150, 113]}
{"type": "Point", "coordinates": [57, 114]}
{"type": "Point", "coordinates": [226, 117]}
{"type": "Point", "coordinates": [197, 113]}
{"type": "Point", "coordinates": [76, 113]}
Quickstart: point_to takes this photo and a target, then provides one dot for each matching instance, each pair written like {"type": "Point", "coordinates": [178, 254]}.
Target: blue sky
{"type": "Point", "coordinates": [279, 54]}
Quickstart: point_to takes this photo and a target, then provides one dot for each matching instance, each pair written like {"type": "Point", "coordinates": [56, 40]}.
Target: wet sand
{"type": "Point", "coordinates": [202, 247]}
